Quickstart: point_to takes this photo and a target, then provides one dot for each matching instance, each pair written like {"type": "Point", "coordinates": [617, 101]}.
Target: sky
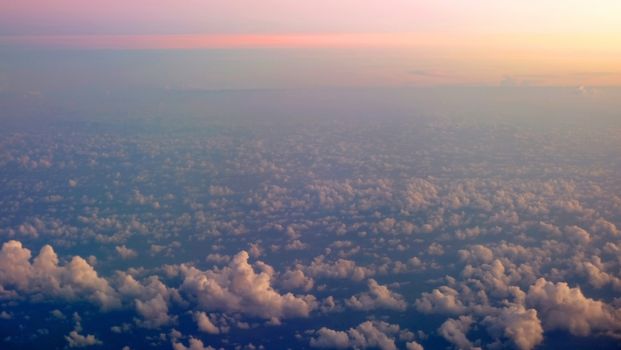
{"type": "Point", "coordinates": [480, 42]}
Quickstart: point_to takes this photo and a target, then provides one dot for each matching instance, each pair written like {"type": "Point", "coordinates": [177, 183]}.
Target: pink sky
{"type": "Point", "coordinates": [78, 17]}
{"type": "Point", "coordinates": [483, 40]}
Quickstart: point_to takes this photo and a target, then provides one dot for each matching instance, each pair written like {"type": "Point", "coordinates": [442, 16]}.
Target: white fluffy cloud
{"type": "Point", "coordinates": [522, 327]}
{"type": "Point", "coordinates": [150, 299]}
{"type": "Point", "coordinates": [126, 253]}
{"type": "Point", "coordinates": [296, 279]}
{"type": "Point", "coordinates": [153, 311]}
{"type": "Point", "coordinates": [442, 300]}
{"type": "Point", "coordinates": [563, 307]}
{"type": "Point", "coordinates": [205, 324]}
{"type": "Point", "coordinates": [455, 330]}
{"type": "Point", "coordinates": [194, 344]}
{"type": "Point", "coordinates": [342, 268]}
{"type": "Point", "coordinates": [412, 345]}
{"type": "Point", "coordinates": [77, 280]}
{"type": "Point", "coordinates": [77, 340]}
{"type": "Point", "coordinates": [378, 296]}
{"type": "Point", "coordinates": [238, 288]}
{"type": "Point", "coordinates": [369, 334]}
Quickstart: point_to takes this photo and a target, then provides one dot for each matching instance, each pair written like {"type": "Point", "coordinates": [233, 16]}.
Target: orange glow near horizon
{"type": "Point", "coordinates": [544, 59]}
{"type": "Point", "coordinates": [550, 42]}
{"type": "Point", "coordinates": [581, 44]}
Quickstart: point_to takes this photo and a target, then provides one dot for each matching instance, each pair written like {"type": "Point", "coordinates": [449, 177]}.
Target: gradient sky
{"type": "Point", "coordinates": [481, 42]}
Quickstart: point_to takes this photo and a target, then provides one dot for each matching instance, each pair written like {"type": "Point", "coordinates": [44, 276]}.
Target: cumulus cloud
{"type": "Point", "coordinates": [342, 268]}
{"type": "Point", "coordinates": [563, 307]}
{"type": "Point", "coordinates": [378, 296]}
{"type": "Point", "coordinates": [150, 299]}
{"type": "Point", "coordinates": [194, 344]}
{"type": "Point", "coordinates": [443, 300]}
{"type": "Point", "coordinates": [76, 340]}
{"type": "Point", "coordinates": [420, 193]}
{"type": "Point", "coordinates": [153, 311]}
{"type": "Point", "coordinates": [476, 254]}
{"type": "Point", "coordinates": [238, 288]}
{"type": "Point", "coordinates": [597, 277]}
{"type": "Point", "coordinates": [455, 330]}
{"type": "Point", "coordinates": [296, 279]}
{"type": "Point", "coordinates": [58, 314]}
{"type": "Point", "coordinates": [126, 253]}
{"type": "Point", "coordinates": [522, 327]}
{"type": "Point", "coordinates": [76, 280]}
{"type": "Point", "coordinates": [369, 334]}
{"type": "Point", "coordinates": [577, 234]}
{"type": "Point", "coordinates": [330, 339]}
{"type": "Point", "coordinates": [412, 345]}
{"type": "Point", "coordinates": [205, 324]}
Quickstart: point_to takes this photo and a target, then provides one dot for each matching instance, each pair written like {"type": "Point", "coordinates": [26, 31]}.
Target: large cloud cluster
{"type": "Point", "coordinates": [512, 304]}
{"type": "Point", "coordinates": [44, 277]}
{"type": "Point", "coordinates": [378, 296]}
{"type": "Point", "coordinates": [369, 334]}
{"type": "Point", "coordinates": [563, 307]}
{"type": "Point", "coordinates": [238, 288]}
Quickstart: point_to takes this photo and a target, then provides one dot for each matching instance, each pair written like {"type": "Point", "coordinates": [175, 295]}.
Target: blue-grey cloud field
{"type": "Point", "coordinates": [311, 218]}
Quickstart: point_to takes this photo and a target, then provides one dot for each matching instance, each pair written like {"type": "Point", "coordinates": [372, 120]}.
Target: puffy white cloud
{"type": "Point", "coordinates": [150, 299]}
{"type": "Point", "coordinates": [204, 323]}
{"type": "Point", "coordinates": [497, 279]}
{"type": "Point", "coordinates": [76, 280]}
{"type": "Point", "coordinates": [455, 330]}
{"type": "Point", "coordinates": [77, 340]}
{"type": "Point", "coordinates": [342, 268]}
{"type": "Point", "coordinates": [412, 345]}
{"type": "Point", "coordinates": [577, 234]}
{"type": "Point", "coordinates": [296, 244]}
{"type": "Point", "coordinates": [153, 311]}
{"type": "Point", "coordinates": [330, 339]}
{"type": "Point", "coordinates": [369, 334]}
{"type": "Point", "coordinates": [606, 227]}
{"type": "Point", "coordinates": [58, 314]}
{"type": "Point", "coordinates": [595, 273]}
{"type": "Point", "coordinates": [491, 290]}
{"type": "Point", "coordinates": [443, 300]}
{"type": "Point", "coordinates": [217, 258]}
{"type": "Point", "coordinates": [476, 254]}
{"type": "Point", "coordinates": [238, 288]}
{"type": "Point", "coordinates": [15, 267]}
{"type": "Point", "coordinates": [294, 279]}
{"type": "Point", "coordinates": [563, 307]}
{"type": "Point", "coordinates": [194, 344]}
{"type": "Point", "coordinates": [435, 249]}
{"type": "Point", "coordinates": [521, 326]}
{"type": "Point", "coordinates": [378, 296]}
{"type": "Point", "coordinates": [420, 193]}
{"type": "Point", "coordinates": [126, 253]}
